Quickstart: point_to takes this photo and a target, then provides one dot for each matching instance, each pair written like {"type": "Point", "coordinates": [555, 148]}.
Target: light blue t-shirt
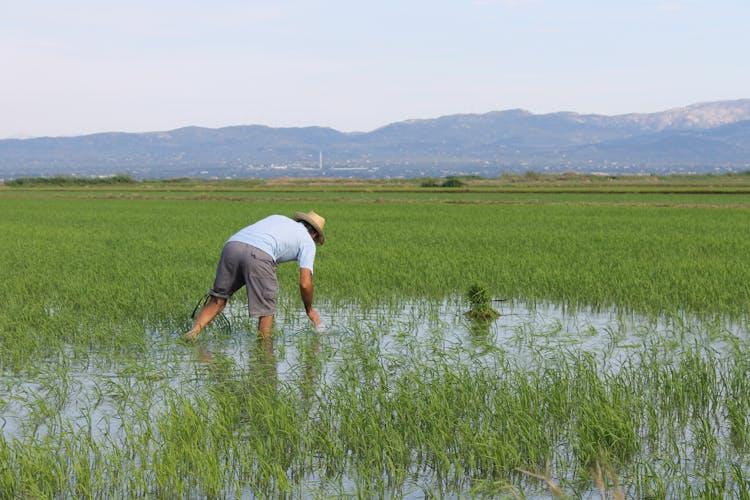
{"type": "Point", "coordinates": [282, 238]}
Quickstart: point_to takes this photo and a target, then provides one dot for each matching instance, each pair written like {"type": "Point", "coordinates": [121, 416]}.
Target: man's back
{"type": "Point", "coordinates": [282, 238]}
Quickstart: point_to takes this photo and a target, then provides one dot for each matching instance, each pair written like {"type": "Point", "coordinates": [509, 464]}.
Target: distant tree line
{"type": "Point", "coordinates": [63, 180]}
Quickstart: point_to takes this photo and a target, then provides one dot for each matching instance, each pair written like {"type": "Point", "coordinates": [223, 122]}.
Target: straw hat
{"type": "Point", "coordinates": [316, 221]}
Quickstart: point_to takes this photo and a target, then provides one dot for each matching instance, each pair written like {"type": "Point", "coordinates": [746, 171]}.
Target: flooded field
{"type": "Point", "coordinates": [618, 365]}
{"type": "Point", "coordinates": [415, 398]}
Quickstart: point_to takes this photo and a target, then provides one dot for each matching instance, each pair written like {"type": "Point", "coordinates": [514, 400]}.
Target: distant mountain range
{"type": "Point", "coordinates": [706, 137]}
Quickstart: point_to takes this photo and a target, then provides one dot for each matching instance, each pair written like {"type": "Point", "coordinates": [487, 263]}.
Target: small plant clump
{"type": "Point", "coordinates": [479, 297]}
{"type": "Point", "coordinates": [429, 182]}
{"type": "Point", "coordinates": [453, 182]}
{"type": "Point", "coordinates": [449, 182]}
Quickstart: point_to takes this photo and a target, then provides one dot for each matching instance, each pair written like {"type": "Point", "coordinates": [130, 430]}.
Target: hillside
{"type": "Point", "coordinates": [698, 138]}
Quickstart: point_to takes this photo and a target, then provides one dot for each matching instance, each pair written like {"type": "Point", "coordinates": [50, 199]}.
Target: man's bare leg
{"type": "Point", "coordinates": [208, 312]}
{"type": "Point", "coordinates": [265, 323]}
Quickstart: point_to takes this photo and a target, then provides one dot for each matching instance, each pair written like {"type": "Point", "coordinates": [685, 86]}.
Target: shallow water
{"type": "Point", "coordinates": [106, 397]}
{"type": "Point", "coordinates": [87, 394]}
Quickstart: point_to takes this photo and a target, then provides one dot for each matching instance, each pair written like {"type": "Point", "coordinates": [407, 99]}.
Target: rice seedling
{"type": "Point", "coordinates": [479, 298]}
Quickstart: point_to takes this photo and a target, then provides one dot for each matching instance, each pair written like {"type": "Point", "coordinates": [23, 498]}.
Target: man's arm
{"type": "Point", "coordinates": [306, 292]}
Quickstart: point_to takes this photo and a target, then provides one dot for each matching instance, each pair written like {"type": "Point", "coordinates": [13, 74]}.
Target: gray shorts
{"type": "Point", "coordinates": [241, 265]}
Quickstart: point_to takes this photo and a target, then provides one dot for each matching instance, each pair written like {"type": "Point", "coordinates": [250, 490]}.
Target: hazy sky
{"type": "Point", "coordinates": [85, 66]}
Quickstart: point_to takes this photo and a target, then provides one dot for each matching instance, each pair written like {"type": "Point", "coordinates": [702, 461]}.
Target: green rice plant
{"type": "Point", "coordinates": [736, 387]}
{"type": "Point", "coordinates": [435, 423]}
{"type": "Point", "coordinates": [100, 400]}
{"type": "Point", "coordinates": [740, 478]}
{"type": "Point", "coordinates": [645, 258]}
{"type": "Point", "coordinates": [189, 457]}
{"type": "Point", "coordinates": [8, 479]}
{"type": "Point", "coordinates": [480, 300]}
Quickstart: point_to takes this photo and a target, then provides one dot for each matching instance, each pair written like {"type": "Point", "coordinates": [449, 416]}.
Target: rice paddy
{"type": "Point", "coordinates": [619, 365]}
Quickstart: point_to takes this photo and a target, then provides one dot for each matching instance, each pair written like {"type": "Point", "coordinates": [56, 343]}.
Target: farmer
{"type": "Point", "coordinates": [250, 257]}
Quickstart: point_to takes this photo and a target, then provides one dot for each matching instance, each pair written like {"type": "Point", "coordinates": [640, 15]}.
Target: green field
{"type": "Point", "coordinates": [620, 359]}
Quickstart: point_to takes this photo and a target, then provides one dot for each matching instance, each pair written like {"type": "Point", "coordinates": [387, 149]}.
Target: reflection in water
{"type": "Point", "coordinates": [263, 364]}
{"type": "Point", "coordinates": [311, 364]}
{"type": "Point", "coordinates": [479, 329]}
{"type": "Point", "coordinates": [259, 370]}
{"type": "Point", "coordinates": [257, 365]}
